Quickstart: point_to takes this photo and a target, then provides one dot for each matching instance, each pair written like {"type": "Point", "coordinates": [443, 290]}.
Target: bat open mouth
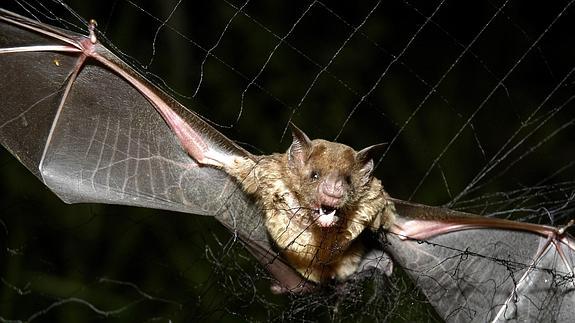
{"type": "Point", "coordinates": [326, 216]}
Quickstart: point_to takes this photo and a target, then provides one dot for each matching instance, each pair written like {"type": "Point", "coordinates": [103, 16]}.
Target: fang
{"type": "Point", "coordinates": [326, 211]}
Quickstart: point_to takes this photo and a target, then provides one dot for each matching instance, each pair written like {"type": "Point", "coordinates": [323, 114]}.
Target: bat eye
{"type": "Point", "coordinates": [348, 179]}
{"type": "Point", "coordinates": [314, 175]}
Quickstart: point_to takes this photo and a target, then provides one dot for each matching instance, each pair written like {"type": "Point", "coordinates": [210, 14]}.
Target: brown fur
{"type": "Point", "coordinates": [288, 197]}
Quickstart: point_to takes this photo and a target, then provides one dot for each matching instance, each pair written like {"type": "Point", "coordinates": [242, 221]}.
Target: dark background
{"type": "Point", "coordinates": [451, 86]}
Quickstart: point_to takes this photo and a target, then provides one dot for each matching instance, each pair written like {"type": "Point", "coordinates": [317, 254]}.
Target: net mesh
{"type": "Point", "coordinates": [473, 99]}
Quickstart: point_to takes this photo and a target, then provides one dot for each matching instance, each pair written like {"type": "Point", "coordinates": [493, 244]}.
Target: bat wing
{"type": "Point", "coordinates": [485, 270]}
{"type": "Point", "coordinates": [92, 129]}
{"type": "Point", "coordinates": [92, 136]}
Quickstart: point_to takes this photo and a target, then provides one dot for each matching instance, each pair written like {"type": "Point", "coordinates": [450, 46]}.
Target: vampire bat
{"type": "Point", "coordinates": [317, 198]}
{"type": "Point", "coordinates": [138, 146]}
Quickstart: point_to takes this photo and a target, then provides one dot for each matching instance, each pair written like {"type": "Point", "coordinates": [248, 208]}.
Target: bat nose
{"type": "Point", "coordinates": [333, 187]}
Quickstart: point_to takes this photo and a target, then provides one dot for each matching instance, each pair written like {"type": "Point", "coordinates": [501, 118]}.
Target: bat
{"type": "Point", "coordinates": [317, 199]}
{"type": "Point", "coordinates": [185, 166]}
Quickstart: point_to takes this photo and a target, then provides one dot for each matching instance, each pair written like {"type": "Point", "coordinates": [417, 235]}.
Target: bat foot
{"type": "Point", "coordinates": [376, 260]}
{"type": "Point", "coordinates": [303, 288]}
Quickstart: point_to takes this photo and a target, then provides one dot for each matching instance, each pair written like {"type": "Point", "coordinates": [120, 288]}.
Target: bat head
{"type": "Point", "coordinates": [328, 177]}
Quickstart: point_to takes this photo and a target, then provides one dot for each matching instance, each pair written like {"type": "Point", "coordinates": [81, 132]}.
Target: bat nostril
{"type": "Point", "coordinates": [332, 190]}
{"type": "Point", "coordinates": [337, 193]}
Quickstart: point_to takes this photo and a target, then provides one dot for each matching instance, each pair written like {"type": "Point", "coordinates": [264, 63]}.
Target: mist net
{"type": "Point", "coordinates": [474, 101]}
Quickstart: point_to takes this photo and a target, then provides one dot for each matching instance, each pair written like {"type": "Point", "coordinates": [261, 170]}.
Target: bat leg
{"type": "Point", "coordinates": [376, 260]}
{"type": "Point", "coordinates": [279, 289]}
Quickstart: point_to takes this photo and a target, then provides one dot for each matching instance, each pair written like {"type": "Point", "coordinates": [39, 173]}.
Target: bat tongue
{"type": "Point", "coordinates": [327, 217]}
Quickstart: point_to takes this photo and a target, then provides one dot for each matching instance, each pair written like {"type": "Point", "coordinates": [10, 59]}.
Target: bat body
{"type": "Point", "coordinates": [315, 199]}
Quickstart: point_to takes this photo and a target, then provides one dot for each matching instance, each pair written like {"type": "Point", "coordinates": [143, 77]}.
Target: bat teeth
{"type": "Point", "coordinates": [323, 210]}
{"type": "Point", "coordinates": [327, 216]}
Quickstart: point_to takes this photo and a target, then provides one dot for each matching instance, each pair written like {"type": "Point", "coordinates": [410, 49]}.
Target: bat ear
{"type": "Point", "coordinates": [364, 159]}
{"type": "Point", "coordinates": [300, 147]}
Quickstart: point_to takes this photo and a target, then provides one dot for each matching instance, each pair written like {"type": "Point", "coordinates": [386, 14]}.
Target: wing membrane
{"type": "Point", "coordinates": [101, 140]}
{"type": "Point", "coordinates": [489, 274]}
{"type": "Point", "coordinates": [93, 129]}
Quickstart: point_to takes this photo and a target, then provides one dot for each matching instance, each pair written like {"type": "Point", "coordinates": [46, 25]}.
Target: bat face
{"type": "Point", "coordinates": [329, 178]}
{"type": "Point", "coordinates": [325, 181]}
